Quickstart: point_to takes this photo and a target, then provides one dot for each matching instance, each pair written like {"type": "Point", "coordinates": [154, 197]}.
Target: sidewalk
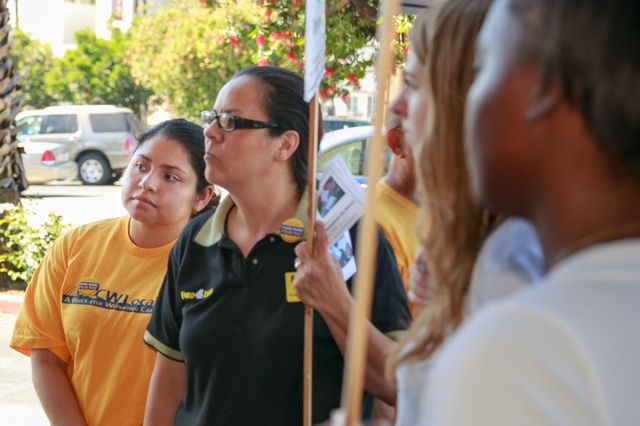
{"type": "Point", "coordinates": [19, 405]}
{"type": "Point", "coordinates": [10, 304]}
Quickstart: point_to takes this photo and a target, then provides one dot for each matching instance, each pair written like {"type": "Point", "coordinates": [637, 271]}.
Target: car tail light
{"type": "Point", "coordinates": [48, 158]}
{"type": "Point", "coordinates": [129, 143]}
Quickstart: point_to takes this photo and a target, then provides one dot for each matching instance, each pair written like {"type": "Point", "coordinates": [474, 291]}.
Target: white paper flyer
{"type": "Point", "coordinates": [340, 206]}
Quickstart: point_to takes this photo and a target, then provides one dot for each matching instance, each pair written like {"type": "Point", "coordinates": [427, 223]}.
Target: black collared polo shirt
{"type": "Point", "coordinates": [227, 318]}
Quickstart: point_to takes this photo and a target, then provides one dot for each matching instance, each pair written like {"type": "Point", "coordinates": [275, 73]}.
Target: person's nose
{"type": "Point", "coordinates": [212, 133]}
{"type": "Point", "coordinates": [149, 182]}
{"type": "Point", "coordinates": [399, 104]}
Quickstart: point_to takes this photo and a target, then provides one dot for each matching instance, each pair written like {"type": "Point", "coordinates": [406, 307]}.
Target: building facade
{"type": "Point", "coordinates": [56, 21]}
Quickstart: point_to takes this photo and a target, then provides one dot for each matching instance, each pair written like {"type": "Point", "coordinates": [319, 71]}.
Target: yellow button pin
{"type": "Point", "coordinates": [292, 230]}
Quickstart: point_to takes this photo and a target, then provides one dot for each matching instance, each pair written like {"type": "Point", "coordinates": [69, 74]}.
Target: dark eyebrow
{"type": "Point", "coordinates": [164, 166]}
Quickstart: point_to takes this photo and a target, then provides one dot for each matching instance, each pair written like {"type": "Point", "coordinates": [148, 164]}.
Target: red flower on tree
{"type": "Point", "coordinates": [328, 72]}
{"type": "Point", "coordinates": [233, 40]}
{"type": "Point", "coordinates": [274, 35]}
{"type": "Point", "coordinates": [262, 62]}
{"type": "Point", "coordinates": [291, 55]}
{"type": "Point", "coordinates": [260, 40]}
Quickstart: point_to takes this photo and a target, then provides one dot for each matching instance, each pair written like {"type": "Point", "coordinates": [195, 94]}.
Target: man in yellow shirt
{"type": "Point", "coordinates": [396, 206]}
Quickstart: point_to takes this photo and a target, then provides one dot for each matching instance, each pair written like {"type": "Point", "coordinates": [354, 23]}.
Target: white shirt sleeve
{"type": "Point", "coordinates": [512, 365]}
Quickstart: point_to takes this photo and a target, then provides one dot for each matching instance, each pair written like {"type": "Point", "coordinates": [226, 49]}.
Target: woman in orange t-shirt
{"type": "Point", "coordinates": [87, 306]}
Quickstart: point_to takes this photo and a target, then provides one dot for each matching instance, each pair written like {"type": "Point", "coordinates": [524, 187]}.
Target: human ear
{"type": "Point", "coordinates": [289, 142]}
{"type": "Point", "coordinates": [541, 101]}
{"type": "Point", "coordinates": [202, 199]}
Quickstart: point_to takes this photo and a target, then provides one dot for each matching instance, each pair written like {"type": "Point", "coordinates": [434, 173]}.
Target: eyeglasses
{"type": "Point", "coordinates": [229, 122]}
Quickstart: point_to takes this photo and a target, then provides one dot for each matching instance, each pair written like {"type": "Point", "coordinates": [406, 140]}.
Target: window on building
{"type": "Point", "coordinates": [371, 104]}
{"type": "Point", "coordinates": [117, 9]}
{"type": "Point", "coordinates": [354, 105]}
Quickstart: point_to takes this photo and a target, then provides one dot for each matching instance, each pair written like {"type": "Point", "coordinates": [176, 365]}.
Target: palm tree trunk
{"type": "Point", "coordinates": [12, 176]}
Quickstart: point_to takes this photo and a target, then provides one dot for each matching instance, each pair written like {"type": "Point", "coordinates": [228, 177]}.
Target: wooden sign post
{"type": "Point", "coordinates": [307, 384]}
{"type": "Point", "coordinates": [314, 52]}
{"type": "Point", "coordinates": [353, 383]}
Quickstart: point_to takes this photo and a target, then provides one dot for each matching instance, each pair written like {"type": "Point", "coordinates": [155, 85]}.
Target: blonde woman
{"type": "Point", "coordinates": [442, 47]}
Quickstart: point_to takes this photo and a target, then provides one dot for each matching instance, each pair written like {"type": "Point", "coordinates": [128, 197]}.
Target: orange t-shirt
{"type": "Point", "coordinates": [89, 303]}
{"type": "Point", "coordinates": [398, 216]}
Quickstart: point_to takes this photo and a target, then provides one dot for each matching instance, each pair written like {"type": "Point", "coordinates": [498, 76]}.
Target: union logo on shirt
{"type": "Point", "coordinates": [196, 295]}
{"type": "Point", "coordinates": [89, 293]}
{"type": "Point", "coordinates": [87, 289]}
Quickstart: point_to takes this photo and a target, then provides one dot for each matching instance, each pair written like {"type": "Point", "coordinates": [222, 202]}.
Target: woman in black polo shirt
{"type": "Point", "coordinates": [229, 340]}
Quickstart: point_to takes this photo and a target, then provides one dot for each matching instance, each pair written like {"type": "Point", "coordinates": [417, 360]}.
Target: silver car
{"type": "Point", "coordinates": [351, 144]}
{"type": "Point", "coordinates": [99, 137]}
{"type": "Point", "coordinates": [47, 161]}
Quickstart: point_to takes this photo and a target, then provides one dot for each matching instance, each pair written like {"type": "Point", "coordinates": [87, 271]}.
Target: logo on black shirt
{"type": "Point", "coordinates": [196, 295]}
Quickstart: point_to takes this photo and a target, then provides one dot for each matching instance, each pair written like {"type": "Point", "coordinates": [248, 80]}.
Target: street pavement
{"type": "Point", "coordinates": [77, 204]}
{"type": "Point", "coordinates": [19, 404]}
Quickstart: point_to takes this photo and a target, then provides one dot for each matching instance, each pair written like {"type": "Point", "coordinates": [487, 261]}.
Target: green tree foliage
{"type": "Point", "coordinates": [95, 73]}
{"type": "Point", "coordinates": [350, 40]}
{"type": "Point", "coordinates": [188, 49]}
{"type": "Point", "coordinates": [22, 247]}
{"type": "Point", "coordinates": [34, 60]}
{"type": "Point", "coordinates": [280, 40]}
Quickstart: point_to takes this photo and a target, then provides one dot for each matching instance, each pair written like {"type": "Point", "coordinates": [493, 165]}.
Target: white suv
{"type": "Point", "coordinates": [99, 137]}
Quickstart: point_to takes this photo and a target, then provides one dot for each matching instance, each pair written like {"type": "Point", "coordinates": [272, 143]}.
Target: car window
{"type": "Point", "coordinates": [32, 125]}
{"type": "Point", "coordinates": [67, 123]}
{"type": "Point", "coordinates": [352, 153]}
{"type": "Point", "coordinates": [332, 124]}
{"type": "Point", "coordinates": [115, 122]}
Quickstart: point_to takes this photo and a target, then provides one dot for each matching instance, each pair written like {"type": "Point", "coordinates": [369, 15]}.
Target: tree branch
{"type": "Point", "coordinates": [360, 7]}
